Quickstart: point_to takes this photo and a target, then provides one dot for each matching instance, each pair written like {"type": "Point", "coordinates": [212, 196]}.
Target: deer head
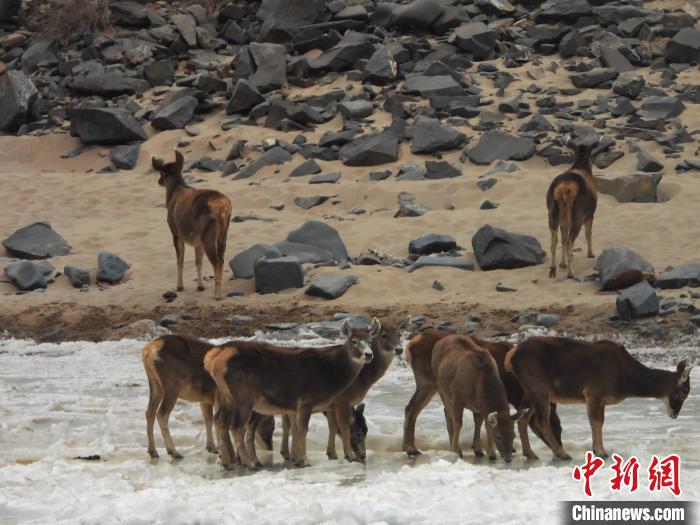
{"type": "Point", "coordinates": [389, 339]}
{"type": "Point", "coordinates": [680, 389]}
{"type": "Point", "coordinates": [358, 431]}
{"type": "Point", "coordinates": [359, 340]}
{"type": "Point", "coordinates": [503, 430]}
{"type": "Point", "coordinates": [169, 171]}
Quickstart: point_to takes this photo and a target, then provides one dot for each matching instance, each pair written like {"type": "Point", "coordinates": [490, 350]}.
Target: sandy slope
{"type": "Point", "coordinates": [120, 212]}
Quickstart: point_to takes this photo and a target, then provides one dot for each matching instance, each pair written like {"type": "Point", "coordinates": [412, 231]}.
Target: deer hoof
{"type": "Point", "coordinates": [601, 453]}
{"type": "Point", "coordinates": [412, 453]}
{"type": "Point", "coordinates": [492, 457]}
{"type": "Point", "coordinates": [218, 298]}
{"type": "Point", "coordinates": [564, 456]}
{"type": "Point", "coordinates": [153, 453]}
{"type": "Point", "coordinates": [212, 449]}
{"type": "Point", "coordinates": [553, 272]}
{"type": "Point", "coordinates": [591, 256]}
{"type": "Point", "coordinates": [562, 265]}
{"type": "Point", "coordinates": [478, 453]}
{"type": "Point", "coordinates": [332, 455]}
{"type": "Point", "coordinates": [175, 454]}
{"type": "Point", "coordinates": [200, 288]}
{"type": "Point", "coordinates": [180, 288]}
{"type": "Point", "coordinates": [228, 466]}
{"type": "Point", "coordinates": [531, 456]}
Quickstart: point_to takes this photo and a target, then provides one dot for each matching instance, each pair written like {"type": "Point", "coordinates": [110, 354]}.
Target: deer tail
{"type": "Point", "coordinates": [216, 363]}
{"type": "Point", "coordinates": [149, 356]}
{"type": "Point", "coordinates": [565, 195]}
{"type": "Point", "coordinates": [508, 361]}
{"type": "Point", "coordinates": [221, 215]}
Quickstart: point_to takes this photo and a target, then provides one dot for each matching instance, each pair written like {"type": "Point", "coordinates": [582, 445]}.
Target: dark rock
{"type": "Point", "coordinates": [594, 77]}
{"type": "Point", "coordinates": [635, 187]}
{"type": "Point", "coordinates": [309, 167]}
{"type": "Point", "coordinates": [125, 157]}
{"type": "Point", "coordinates": [502, 288]}
{"type": "Point", "coordinates": [548, 320]}
{"type": "Point", "coordinates": [646, 163]}
{"type": "Point", "coordinates": [330, 285]}
{"type": "Point", "coordinates": [108, 85]}
{"type": "Point", "coordinates": [556, 11]}
{"type": "Point", "coordinates": [476, 38]}
{"type": "Point", "coordinates": [310, 202]}
{"type": "Point", "coordinates": [486, 184]}
{"type": "Point", "coordinates": [432, 243]}
{"type": "Point", "coordinates": [488, 205]}
{"type": "Point", "coordinates": [494, 145]}
{"type": "Point", "coordinates": [571, 43]}
{"type": "Point", "coordinates": [271, 66]}
{"type": "Point", "coordinates": [495, 248]}
{"type": "Point", "coordinates": [440, 169]}
{"type": "Point", "coordinates": [243, 264]}
{"type": "Point", "coordinates": [25, 276]}
{"type": "Point", "coordinates": [629, 84]}
{"type": "Point", "coordinates": [611, 57]}
{"type": "Point", "coordinates": [17, 95]}
{"type": "Point", "coordinates": [78, 275]}
{"type": "Point", "coordinates": [336, 138]}
{"type": "Point", "coordinates": [110, 267]}
{"type": "Point", "coordinates": [320, 235]}
{"type": "Point", "coordinates": [353, 47]}
{"type": "Point", "coordinates": [175, 115]}
{"type": "Point", "coordinates": [272, 156]}
{"type": "Point", "coordinates": [275, 275]}
{"type": "Point", "coordinates": [326, 178]}
{"type": "Point", "coordinates": [684, 46]}
{"type": "Point", "coordinates": [40, 54]}
{"type": "Point", "coordinates": [620, 267]}
{"type": "Point", "coordinates": [379, 175]}
{"type": "Point", "coordinates": [187, 27]}
{"type": "Point", "coordinates": [371, 150]}
{"type": "Point", "coordinates": [419, 13]}
{"type": "Point", "coordinates": [105, 126]}
{"type": "Point", "coordinates": [637, 301]}
{"type": "Point", "coordinates": [662, 107]}
{"type": "Point", "coordinates": [432, 86]}
{"type": "Point", "coordinates": [160, 72]}
{"type": "Point", "coordinates": [437, 285]}
{"type": "Point", "coordinates": [429, 136]}
{"type": "Point", "coordinates": [680, 277]}
{"type": "Point", "coordinates": [36, 241]}
{"type": "Point", "coordinates": [442, 261]}
{"type": "Point", "coordinates": [282, 19]}
{"type": "Point", "coordinates": [9, 9]}
{"type": "Point", "coordinates": [381, 68]}
{"type": "Point", "coordinates": [356, 109]}
{"type": "Point", "coordinates": [244, 97]}
{"type": "Point", "coordinates": [305, 252]}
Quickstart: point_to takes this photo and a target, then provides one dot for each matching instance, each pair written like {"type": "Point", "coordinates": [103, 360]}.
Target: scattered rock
{"type": "Point", "coordinates": [548, 320]}
{"type": "Point", "coordinates": [442, 261]}
{"type": "Point", "coordinates": [495, 248]}
{"type": "Point", "coordinates": [371, 150]}
{"type": "Point", "coordinates": [309, 167]}
{"type": "Point", "coordinates": [36, 241]}
{"type": "Point", "coordinates": [243, 264]}
{"type": "Point", "coordinates": [105, 126]}
{"type": "Point", "coordinates": [271, 66]}
{"type": "Point", "coordinates": [430, 136]}
{"type": "Point", "coordinates": [634, 187]}
{"type": "Point", "coordinates": [330, 285]}
{"type": "Point", "coordinates": [662, 107]}
{"type": "Point", "coordinates": [629, 84]}
{"type": "Point", "coordinates": [17, 95]}
{"type": "Point", "coordinates": [310, 202]}
{"type": "Point", "coordinates": [175, 115]}
{"type": "Point", "coordinates": [619, 267]}
{"type": "Point", "coordinates": [476, 38]}
{"type": "Point", "coordinates": [594, 77]}
{"type": "Point", "coordinates": [639, 300]}
{"type": "Point", "coordinates": [110, 267]}
{"type": "Point", "coordinates": [495, 145]}
{"type": "Point", "coordinates": [25, 275]}
{"type": "Point", "coordinates": [125, 157]}
{"type": "Point", "coordinates": [684, 46]}
{"type": "Point", "coordinates": [244, 97]}
{"type": "Point", "coordinates": [432, 243]}
{"type": "Point", "coordinates": [275, 275]}
{"type": "Point", "coordinates": [646, 163]}
{"type": "Point", "coordinates": [78, 275]}
{"type": "Point", "coordinates": [271, 157]}
{"type": "Point", "coordinates": [320, 235]}
{"type": "Point", "coordinates": [356, 109]}
{"type": "Point", "coordinates": [680, 277]}
{"type": "Point", "coordinates": [326, 178]}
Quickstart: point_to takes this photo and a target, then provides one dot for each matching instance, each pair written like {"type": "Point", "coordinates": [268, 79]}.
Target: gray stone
{"type": "Point", "coordinates": [633, 187]}
{"type": "Point", "coordinates": [629, 84]}
{"type": "Point", "coordinates": [684, 46]}
{"type": "Point", "coordinates": [330, 285]}
{"type": "Point", "coordinates": [244, 97]}
{"type": "Point", "coordinates": [611, 57]}
{"type": "Point", "coordinates": [271, 157]}
{"type": "Point", "coordinates": [306, 253]}
{"type": "Point", "coordinates": [442, 261]}
{"type": "Point", "coordinates": [17, 94]}
{"type": "Point", "coordinates": [556, 11]}
{"type": "Point", "coordinates": [9, 9]}
{"type": "Point", "coordinates": [108, 85]}
{"type": "Point", "coordinates": [353, 47]}
{"type": "Point", "coordinates": [105, 126]}
{"type": "Point", "coordinates": [496, 248]}
{"type": "Point", "coordinates": [25, 275]}
{"type": "Point", "coordinates": [637, 301]}
{"type": "Point", "coordinates": [432, 86]}
{"type": "Point", "coordinates": [662, 107]}
{"type": "Point", "coordinates": [243, 264]}
{"type": "Point", "coordinates": [187, 27]}
{"type": "Point", "coordinates": [419, 13]}
{"type": "Point", "coordinates": [125, 157]}
{"type": "Point", "coordinates": [175, 115]}
{"type": "Point", "coordinates": [548, 320]}
{"type": "Point", "coordinates": [275, 275]}
{"type": "Point", "coordinates": [310, 202]}
{"type": "Point", "coordinates": [36, 241]}
{"type": "Point", "coordinates": [110, 267]}
{"type": "Point", "coordinates": [432, 243]}
{"type": "Point", "coordinates": [498, 145]}
{"type": "Point", "coordinates": [308, 167]}
{"type": "Point", "coordinates": [381, 68]}
{"type": "Point", "coordinates": [326, 178]}
{"type": "Point", "coordinates": [271, 66]}
{"type": "Point", "coordinates": [371, 150]}
{"type": "Point", "coordinates": [40, 54]}
{"type": "Point", "coordinates": [430, 136]}
{"type": "Point", "coordinates": [646, 163]}
{"type": "Point", "coordinates": [282, 19]}
{"type": "Point", "coordinates": [160, 72]}
{"type": "Point", "coordinates": [356, 109]}
{"type": "Point", "coordinates": [78, 275]}
{"type": "Point", "coordinates": [320, 235]}
{"type": "Point", "coordinates": [440, 169]}
{"type": "Point", "coordinates": [594, 77]}
{"type": "Point", "coordinates": [680, 277]}
{"type": "Point", "coordinates": [619, 267]}
{"type": "Point", "coordinates": [476, 38]}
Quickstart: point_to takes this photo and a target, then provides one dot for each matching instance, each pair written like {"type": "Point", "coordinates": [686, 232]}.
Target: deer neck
{"type": "Point", "coordinates": [642, 381]}
{"type": "Point", "coordinates": [379, 364]}
{"type": "Point", "coordinates": [172, 186]}
{"type": "Point", "coordinates": [583, 162]}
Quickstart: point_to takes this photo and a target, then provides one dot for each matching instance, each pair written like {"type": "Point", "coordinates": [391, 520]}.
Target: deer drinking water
{"type": "Point", "coordinates": [560, 370]}
{"type": "Point", "coordinates": [571, 202]}
{"type": "Point", "coordinates": [199, 218]}
{"type": "Point", "coordinates": [292, 381]}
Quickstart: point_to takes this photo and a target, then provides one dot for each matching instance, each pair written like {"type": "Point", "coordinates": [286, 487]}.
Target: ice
{"type": "Point", "coordinates": [61, 401]}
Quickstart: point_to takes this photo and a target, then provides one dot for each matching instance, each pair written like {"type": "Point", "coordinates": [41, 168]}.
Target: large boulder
{"type": "Point", "coordinates": [36, 241]}
{"type": "Point", "coordinates": [125, 157]}
{"type": "Point", "coordinates": [275, 275]}
{"type": "Point", "coordinates": [187, 27]}
{"type": "Point", "coordinates": [429, 136]}
{"type": "Point", "coordinates": [442, 261]}
{"type": "Point", "coordinates": [381, 68]}
{"type": "Point", "coordinates": [419, 13]}
{"type": "Point", "coordinates": [629, 84]}
{"type": "Point", "coordinates": [432, 243]}
{"type": "Point", "coordinates": [272, 156]}
{"type": "Point", "coordinates": [271, 66]}
{"type": "Point", "coordinates": [108, 85]}
{"type": "Point", "coordinates": [498, 249]}
{"type": "Point", "coordinates": [243, 264]}
{"type": "Point", "coordinates": [637, 301]}
{"type": "Point", "coordinates": [476, 38]}
{"type": "Point", "coordinates": [632, 187]}
{"type": "Point", "coordinates": [282, 19]}
{"type": "Point", "coordinates": [306, 253]}
{"type": "Point", "coordinates": [105, 126]}
{"type": "Point", "coordinates": [371, 150]}
{"type": "Point", "coordinates": [429, 86]}
{"type": "Point", "coordinates": [25, 275]}
{"type": "Point", "coordinates": [354, 46]}
{"type": "Point", "coordinates": [175, 115]}
{"type": "Point", "coordinates": [556, 11]}
{"type": "Point", "coordinates": [593, 78]}
{"type": "Point", "coordinates": [679, 277]}
{"type": "Point", "coordinates": [321, 235]}
{"type": "Point", "coordinates": [684, 46]}
{"type": "Point", "coordinates": [662, 107]}
{"type": "Point", "coordinates": [245, 97]}
{"type": "Point", "coordinates": [619, 267]}
{"type": "Point", "coordinates": [110, 267]}
{"type": "Point", "coordinates": [9, 8]}
{"type": "Point", "coordinates": [17, 94]}
{"type": "Point", "coordinates": [498, 145]}
{"type": "Point", "coordinates": [330, 285]}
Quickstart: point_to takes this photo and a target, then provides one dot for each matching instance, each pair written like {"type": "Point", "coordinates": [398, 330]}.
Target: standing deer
{"type": "Point", "coordinates": [174, 366]}
{"type": "Point", "coordinates": [571, 201]}
{"type": "Point", "coordinates": [293, 381]}
{"type": "Point", "coordinates": [556, 369]}
{"type": "Point", "coordinates": [199, 218]}
{"type": "Point", "coordinates": [419, 352]}
{"type": "Point", "coordinates": [467, 377]}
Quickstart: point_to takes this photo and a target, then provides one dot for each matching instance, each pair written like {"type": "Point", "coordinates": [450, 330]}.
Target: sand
{"type": "Point", "coordinates": [121, 212]}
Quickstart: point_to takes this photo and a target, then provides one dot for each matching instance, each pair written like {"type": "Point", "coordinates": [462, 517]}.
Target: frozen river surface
{"type": "Point", "coordinates": [60, 401]}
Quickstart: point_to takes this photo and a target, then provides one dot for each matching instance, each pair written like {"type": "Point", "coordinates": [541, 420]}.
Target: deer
{"type": "Point", "coordinates": [292, 381]}
{"type": "Point", "coordinates": [342, 417]}
{"type": "Point", "coordinates": [196, 217]}
{"type": "Point", "coordinates": [174, 367]}
{"type": "Point", "coordinates": [419, 355]}
{"type": "Point", "coordinates": [571, 203]}
{"type": "Point", "coordinates": [600, 373]}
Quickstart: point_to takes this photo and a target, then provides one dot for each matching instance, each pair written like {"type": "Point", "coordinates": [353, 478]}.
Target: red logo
{"type": "Point", "coordinates": [587, 471]}
{"type": "Point", "coordinates": [665, 473]}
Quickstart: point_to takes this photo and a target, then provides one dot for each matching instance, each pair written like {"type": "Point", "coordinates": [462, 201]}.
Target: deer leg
{"type": "Point", "coordinates": [490, 442]}
{"type": "Point", "coordinates": [589, 237]}
{"type": "Point", "coordinates": [284, 447]}
{"type": "Point", "coordinates": [217, 262]}
{"type": "Point", "coordinates": [457, 412]}
{"type": "Point", "coordinates": [421, 397]}
{"type": "Point", "coordinates": [570, 257]}
{"type": "Point", "coordinates": [596, 417]}
{"type": "Point", "coordinates": [524, 438]}
{"type": "Point", "coordinates": [302, 428]}
{"type": "Point", "coordinates": [198, 257]}
{"type": "Point", "coordinates": [553, 265]}
{"type": "Point", "coordinates": [166, 406]}
{"type": "Point", "coordinates": [223, 425]}
{"type": "Point", "coordinates": [180, 254]}
{"type": "Point", "coordinates": [241, 415]}
{"type": "Point", "coordinates": [250, 430]}
{"type": "Point", "coordinates": [155, 397]}
{"type": "Point", "coordinates": [542, 408]}
{"type": "Point", "coordinates": [332, 431]}
{"type": "Point", "coordinates": [564, 235]}
{"type": "Point", "coordinates": [343, 417]}
{"type": "Point", "coordinates": [207, 414]}
{"type": "Point", "coordinates": [476, 440]}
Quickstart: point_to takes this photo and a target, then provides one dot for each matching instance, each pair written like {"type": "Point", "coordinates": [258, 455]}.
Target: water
{"type": "Point", "coordinates": [61, 401]}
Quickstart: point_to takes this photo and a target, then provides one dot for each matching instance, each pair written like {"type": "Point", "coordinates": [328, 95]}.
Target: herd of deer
{"type": "Point", "coordinates": [250, 382]}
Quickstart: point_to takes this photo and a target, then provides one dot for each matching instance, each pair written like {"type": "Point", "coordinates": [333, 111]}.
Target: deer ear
{"type": "Point", "coordinates": [157, 163]}
{"type": "Point", "coordinates": [360, 409]}
{"type": "Point", "coordinates": [520, 413]}
{"type": "Point", "coordinates": [179, 161]}
{"type": "Point", "coordinates": [685, 375]}
{"type": "Point", "coordinates": [375, 327]}
{"type": "Point", "coordinates": [491, 420]}
{"type": "Point", "coordinates": [345, 328]}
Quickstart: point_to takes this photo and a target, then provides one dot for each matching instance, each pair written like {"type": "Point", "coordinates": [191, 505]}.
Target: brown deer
{"type": "Point", "coordinates": [419, 353]}
{"type": "Point", "coordinates": [571, 201]}
{"type": "Point", "coordinates": [174, 366]}
{"type": "Point", "coordinates": [342, 418]}
{"type": "Point", "coordinates": [199, 218]}
{"type": "Point", "coordinates": [467, 377]}
{"type": "Point", "coordinates": [292, 381]}
{"type": "Point", "coordinates": [555, 369]}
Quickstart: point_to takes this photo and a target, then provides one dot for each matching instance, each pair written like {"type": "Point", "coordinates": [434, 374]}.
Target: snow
{"type": "Point", "coordinates": [60, 401]}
